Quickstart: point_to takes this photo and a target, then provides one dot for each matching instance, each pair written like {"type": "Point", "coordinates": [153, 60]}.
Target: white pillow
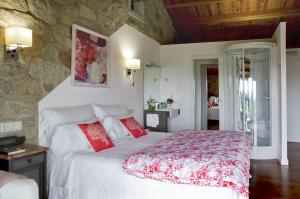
{"type": "Point", "coordinates": [51, 118]}
{"type": "Point", "coordinates": [109, 110]}
{"type": "Point", "coordinates": [114, 128]}
{"type": "Point", "coordinates": [69, 138]}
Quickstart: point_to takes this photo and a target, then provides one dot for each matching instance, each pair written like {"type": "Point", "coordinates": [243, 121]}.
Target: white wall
{"type": "Point", "coordinates": [120, 90]}
{"type": "Point", "coordinates": [152, 78]}
{"type": "Point", "coordinates": [293, 95]}
{"type": "Point", "coordinates": [177, 63]}
{"type": "Point", "coordinates": [280, 38]}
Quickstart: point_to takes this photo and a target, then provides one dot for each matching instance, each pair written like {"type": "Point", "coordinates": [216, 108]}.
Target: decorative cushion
{"type": "Point", "coordinates": [135, 129]}
{"type": "Point", "coordinates": [96, 135]}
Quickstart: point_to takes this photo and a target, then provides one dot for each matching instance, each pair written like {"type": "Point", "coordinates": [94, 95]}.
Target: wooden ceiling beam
{"type": "Point", "coordinates": [193, 3]}
{"type": "Point", "coordinates": [233, 18]}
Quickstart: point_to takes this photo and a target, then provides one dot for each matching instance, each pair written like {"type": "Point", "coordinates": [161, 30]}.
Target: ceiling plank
{"type": "Point", "coordinates": [193, 3]}
{"type": "Point", "coordinates": [233, 18]}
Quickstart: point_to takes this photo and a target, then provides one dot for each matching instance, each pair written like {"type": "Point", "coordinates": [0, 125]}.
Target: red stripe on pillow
{"type": "Point", "coordinates": [96, 135]}
{"type": "Point", "coordinates": [210, 105]}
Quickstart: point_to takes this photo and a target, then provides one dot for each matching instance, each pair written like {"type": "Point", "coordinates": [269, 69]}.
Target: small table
{"type": "Point", "coordinates": [163, 115]}
{"type": "Point", "coordinates": [31, 163]}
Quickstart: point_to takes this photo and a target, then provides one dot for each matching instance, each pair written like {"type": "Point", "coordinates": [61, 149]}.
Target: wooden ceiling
{"type": "Point", "coordinates": [223, 20]}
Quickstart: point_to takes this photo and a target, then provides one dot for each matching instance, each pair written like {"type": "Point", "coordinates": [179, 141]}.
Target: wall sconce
{"type": "Point", "coordinates": [17, 38]}
{"type": "Point", "coordinates": [132, 65]}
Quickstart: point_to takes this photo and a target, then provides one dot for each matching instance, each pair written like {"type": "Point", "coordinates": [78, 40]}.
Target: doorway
{"type": "Point", "coordinates": [213, 122]}
{"type": "Point", "coordinates": [207, 114]}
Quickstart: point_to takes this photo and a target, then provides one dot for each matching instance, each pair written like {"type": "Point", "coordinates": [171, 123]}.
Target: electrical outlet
{"type": "Point", "coordinates": [10, 126]}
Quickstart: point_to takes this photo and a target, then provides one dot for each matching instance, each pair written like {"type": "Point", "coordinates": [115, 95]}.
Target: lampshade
{"type": "Point", "coordinates": [133, 64]}
{"type": "Point", "coordinates": [17, 37]}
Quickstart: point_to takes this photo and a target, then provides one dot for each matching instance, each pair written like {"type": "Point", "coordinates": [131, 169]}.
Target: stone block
{"type": "Point", "coordinates": [26, 87]}
{"type": "Point", "coordinates": [20, 5]}
{"type": "Point", "coordinates": [86, 12]}
{"type": "Point", "coordinates": [5, 86]}
{"type": "Point", "coordinates": [42, 10]}
{"type": "Point", "coordinates": [17, 110]}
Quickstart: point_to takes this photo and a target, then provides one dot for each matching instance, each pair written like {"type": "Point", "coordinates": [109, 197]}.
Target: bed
{"type": "Point", "coordinates": [12, 187]}
{"type": "Point", "coordinates": [213, 113]}
{"type": "Point", "coordinates": [77, 174]}
{"type": "Point", "coordinates": [213, 108]}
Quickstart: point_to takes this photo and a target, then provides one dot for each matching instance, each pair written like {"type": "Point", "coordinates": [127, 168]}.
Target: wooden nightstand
{"type": "Point", "coordinates": [31, 163]}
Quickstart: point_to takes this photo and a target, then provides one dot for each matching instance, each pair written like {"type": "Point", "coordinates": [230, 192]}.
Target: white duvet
{"type": "Point", "coordinates": [90, 175]}
{"type": "Point", "coordinates": [20, 189]}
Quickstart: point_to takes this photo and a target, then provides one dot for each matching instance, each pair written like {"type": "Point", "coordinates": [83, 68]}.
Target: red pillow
{"type": "Point", "coordinates": [96, 135]}
{"type": "Point", "coordinates": [135, 129]}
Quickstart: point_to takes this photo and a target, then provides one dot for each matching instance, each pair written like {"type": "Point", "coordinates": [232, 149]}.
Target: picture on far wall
{"type": "Point", "coordinates": [90, 58]}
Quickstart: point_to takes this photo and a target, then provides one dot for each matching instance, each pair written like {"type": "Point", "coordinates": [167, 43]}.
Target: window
{"type": "Point", "coordinates": [136, 9]}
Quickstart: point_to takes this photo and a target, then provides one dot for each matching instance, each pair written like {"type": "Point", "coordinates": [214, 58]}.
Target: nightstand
{"type": "Point", "coordinates": [31, 163]}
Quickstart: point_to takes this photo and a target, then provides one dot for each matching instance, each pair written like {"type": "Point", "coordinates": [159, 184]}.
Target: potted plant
{"type": "Point", "coordinates": [151, 104]}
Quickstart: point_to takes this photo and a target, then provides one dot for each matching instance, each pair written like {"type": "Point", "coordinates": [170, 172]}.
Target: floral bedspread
{"type": "Point", "coordinates": [202, 158]}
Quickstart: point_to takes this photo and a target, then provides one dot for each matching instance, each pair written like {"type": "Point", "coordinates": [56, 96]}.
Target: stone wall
{"type": "Point", "coordinates": [48, 61]}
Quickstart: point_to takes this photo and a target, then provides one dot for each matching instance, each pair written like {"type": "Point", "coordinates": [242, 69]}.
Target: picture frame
{"type": "Point", "coordinates": [90, 60]}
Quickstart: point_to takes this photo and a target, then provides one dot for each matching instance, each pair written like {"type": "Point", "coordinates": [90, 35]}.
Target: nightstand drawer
{"type": "Point", "coordinates": [28, 161]}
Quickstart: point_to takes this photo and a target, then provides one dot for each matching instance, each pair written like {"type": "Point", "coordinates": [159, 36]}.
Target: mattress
{"type": "Point", "coordinates": [100, 175]}
{"type": "Point", "coordinates": [21, 188]}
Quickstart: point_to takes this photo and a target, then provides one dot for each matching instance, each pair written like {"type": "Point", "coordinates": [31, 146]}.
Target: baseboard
{"type": "Point", "coordinates": [284, 162]}
{"type": "Point", "coordinates": [264, 153]}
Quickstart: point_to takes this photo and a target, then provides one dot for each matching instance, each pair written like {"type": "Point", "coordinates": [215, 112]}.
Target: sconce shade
{"type": "Point", "coordinates": [133, 64]}
{"type": "Point", "coordinates": [17, 37]}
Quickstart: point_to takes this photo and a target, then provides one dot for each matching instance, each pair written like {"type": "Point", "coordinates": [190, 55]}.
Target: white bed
{"type": "Point", "coordinates": [20, 188]}
{"type": "Point", "coordinates": [75, 172]}
{"type": "Point", "coordinates": [100, 175]}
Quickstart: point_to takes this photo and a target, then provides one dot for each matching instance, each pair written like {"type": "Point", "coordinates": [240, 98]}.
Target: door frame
{"type": "Point", "coordinates": [222, 101]}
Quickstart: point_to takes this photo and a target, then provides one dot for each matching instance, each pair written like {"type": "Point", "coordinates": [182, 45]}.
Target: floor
{"type": "Point", "coordinates": [271, 181]}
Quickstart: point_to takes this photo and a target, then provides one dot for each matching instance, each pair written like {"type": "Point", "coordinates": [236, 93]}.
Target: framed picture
{"type": "Point", "coordinates": [90, 58]}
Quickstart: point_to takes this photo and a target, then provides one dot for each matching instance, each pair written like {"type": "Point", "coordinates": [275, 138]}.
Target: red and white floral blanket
{"type": "Point", "coordinates": [203, 158]}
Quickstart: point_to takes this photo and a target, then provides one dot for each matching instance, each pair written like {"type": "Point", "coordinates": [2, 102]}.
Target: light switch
{"type": "Point", "coordinates": [10, 126]}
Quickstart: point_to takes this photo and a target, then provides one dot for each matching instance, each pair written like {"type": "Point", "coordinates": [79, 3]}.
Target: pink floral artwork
{"type": "Point", "coordinates": [89, 58]}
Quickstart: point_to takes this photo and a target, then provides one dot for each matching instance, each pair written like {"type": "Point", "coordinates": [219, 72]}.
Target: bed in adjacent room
{"type": "Point", "coordinates": [213, 113]}
{"type": "Point", "coordinates": [213, 108]}
{"type": "Point", "coordinates": [130, 169]}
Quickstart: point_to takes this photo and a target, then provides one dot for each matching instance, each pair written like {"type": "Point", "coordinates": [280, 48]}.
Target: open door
{"type": "Point", "coordinates": [208, 94]}
{"type": "Point", "coordinates": [280, 38]}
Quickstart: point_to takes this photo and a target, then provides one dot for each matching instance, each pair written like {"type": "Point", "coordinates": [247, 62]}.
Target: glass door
{"type": "Point", "coordinates": [256, 91]}
{"type": "Point", "coordinates": [251, 67]}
